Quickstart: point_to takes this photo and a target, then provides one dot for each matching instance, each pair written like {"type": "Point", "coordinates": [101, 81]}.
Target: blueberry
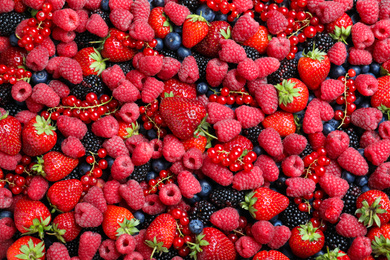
{"type": "Point", "coordinates": [365, 188]}
{"type": "Point", "coordinates": [206, 12]}
{"type": "Point", "coordinates": [361, 151]}
{"type": "Point", "coordinates": [337, 71]}
{"type": "Point", "coordinates": [110, 161]}
{"type": "Point", "coordinates": [350, 178]}
{"type": "Point", "coordinates": [183, 52]}
{"type": "Point", "coordinates": [104, 5]}
{"type": "Point", "coordinates": [13, 40]}
{"type": "Point", "coordinates": [202, 88]}
{"type": "Point", "coordinates": [194, 199]}
{"type": "Point", "coordinates": [359, 99]}
{"type": "Point", "coordinates": [151, 175]}
{"type": "Point", "coordinates": [140, 216]}
{"type": "Point", "coordinates": [361, 181]}
{"type": "Point", "coordinates": [84, 167]}
{"type": "Point", "coordinates": [334, 123]}
{"type": "Point", "coordinates": [299, 55]}
{"type": "Point", "coordinates": [158, 165]}
{"type": "Point", "coordinates": [206, 188]}
{"type": "Point", "coordinates": [6, 214]}
{"type": "Point", "coordinates": [39, 77]}
{"type": "Point", "coordinates": [158, 2]}
{"type": "Point", "coordinates": [177, 29]}
{"type": "Point", "coordinates": [257, 149]}
{"type": "Point", "coordinates": [364, 104]}
{"type": "Point", "coordinates": [196, 226]}
{"type": "Point", "coordinates": [365, 69]}
{"type": "Point", "coordinates": [152, 134]}
{"type": "Point", "coordinates": [328, 128]}
{"type": "Point", "coordinates": [172, 41]}
{"type": "Point", "coordinates": [357, 69]}
{"type": "Point", "coordinates": [375, 68]}
{"type": "Point", "coordinates": [274, 219]}
{"type": "Point", "coordinates": [370, 74]}
{"type": "Point", "coordinates": [220, 17]}
{"type": "Point", "coordinates": [355, 18]}
{"type": "Point", "coordinates": [278, 223]}
{"type": "Point", "coordinates": [160, 44]}
{"type": "Point", "coordinates": [209, 92]}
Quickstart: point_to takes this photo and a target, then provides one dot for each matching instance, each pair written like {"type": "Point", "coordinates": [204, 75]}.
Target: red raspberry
{"type": "Point", "coordinates": [188, 184]}
{"type": "Point", "coordinates": [95, 197]}
{"type": "Point", "coordinates": [369, 137]}
{"type": "Point", "coordinates": [169, 68]}
{"type": "Point", "coordinates": [72, 147]}
{"type": "Point", "coordinates": [263, 231]}
{"type": "Point", "coordinates": [173, 149]}
{"type": "Point", "coordinates": [330, 209]}
{"type": "Point", "coordinates": [248, 69]}
{"type": "Point", "coordinates": [378, 152]}
{"type": "Point", "coordinates": [71, 126]}
{"type": "Point", "coordinates": [337, 54]}
{"type": "Point", "coordinates": [125, 244]}
{"type": "Point", "coordinates": [360, 248]}
{"type": "Point", "coordinates": [227, 129]}
{"type": "Point", "coordinates": [293, 166]}
{"type": "Point", "coordinates": [112, 76]}
{"type": "Point", "coordinates": [87, 215]}
{"type": "Point", "coordinates": [231, 51]}
{"type": "Point", "coordinates": [21, 90]}
{"type": "Point", "coordinates": [67, 19]}
{"type": "Point", "coordinates": [111, 192]}
{"type": "Point", "coordinates": [37, 188]}
{"type": "Point", "coordinates": [278, 48]}
{"type": "Point", "coordinates": [248, 180]}
{"type": "Point", "coordinates": [368, 11]}
{"type": "Point", "coordinates": [359, 57]}
{"type": "Point", "coordinates": [9, 162]}
{"type": "Point", "coordinates": [233, 81]}
{"type": "Point", "coordinates": [267, 66]}
{"type": "Point", "coordinates": [121, 18]}
{"type": "Point", "coordinates": [193, 159]}
{"type": "Point", "coordinates": [352, 161]}
{"type": "Point", "coordinates": [276, 22]}
{"type": "Point", "coordinates": [38, 58]}
{"type": "Point", "coordinates": [249, 116]}
{"type": "Point", "coordinates": [244, 28]}
{"type": "Point", "coordinates": [247, 247]}
{"type": "Point", "coordinates": [142, 154]}
{"type": "Point", "coordinates": [366, 84]}
{"type": "Point", "coordinates": [366, 118]}
{"type": "Point", "coordinates": [141, 30]}
{"type": "Point", "coordinates": [126, 92]}
{"type": "Point", "coordinates": [140, 10]}
{"type": "Point", "coordinates": [189, 72]}
{"type": "Point", "coordinates": [151, 90]}
{"type": "Point", "coordinates": [106, 127]}
{"type": "Point", "coordinates": [217, 172]}
{"type": "Point", "coordinates": [268, 167]}
{"type": "Point", "coordinates": [67, 49]}
{"type": "Point", "coordinates": [115, 147]}
{"type": "Point", "coordinates": [281, 235]}
{"type": "Point", "coordinates": [380, 178]}
{"type": "Point", "coordinates": [83, 18]}
{"type": "Point", "coordinates": [170, 194]}
{"type": "Point", "coordinates": [331, 89]}
{"type": "Point", "coordinates": [153, 205]}
{"type": "Point", "coordinates": [45, 95]}
{"type": "Point", "coordinates": [329, 11]}
{"type": "Point", "coordinates": [381, 51]}
{"type": "Point", "coordinates": [57, 251]}
{"type": "Point", "coordinates": [336, 143]}
{"type": "Point", "coordinates": [5, 198]}
{"type": "Point", "coordinates": [267, 98]}
{"type": "Point", "coordinates": [299, 187]}
{"type": "Point", "coordinates": [70, 70]}
{"type": "Point", "coordinates": [122, 167]}
{"type": "Point", "coordinates": [294, 144]}
{"type": "Point", "coordinates": [107, 250]}
{"type": "Point", "coordinates": [129, 112]}
{"type": "Point", "coordinates": [362, 36]}
{"type": "Point", "coordinates": [226, 219]}
{"type": "Point", "coordinates": [177, 13]}
{"type": "Point", "coordinates": [334, 186]}
{"type": "Point", "coordinates": [89, 244]}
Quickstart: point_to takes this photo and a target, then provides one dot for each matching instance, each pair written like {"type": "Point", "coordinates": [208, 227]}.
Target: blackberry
{"type": "Point", "coordinates": [322, 42]}
{"type": "Point", "coordinates": [85, 39]}
{"type": "Point", "coordinates": [91, 83]}
{"type": "Point", "coordinates": [191, 4]}
{"type": "Point", "coordinates": [353, 138]}
{"type": "Point", "coordinates": [75, 174]}
{"type": "Point", "coordinates": [56, 148]}
{"type": "Point", "coordinates": [334, 240]}
{"type": "Point", "coordinates": [103, 14]}
{"type": "Point", "coordinates": [349, 199]}
{"type": "Point", "coordinates": [166, 256]}
{"type": "Point", "coordinates": [73, 247]}
{"type": "Point", "coordinates": [169, 53]}
{"type": "Point", "coordinates": [125, 66]}
{"type": "Point", "coordinates": [251, 53]}
{"type": "Point", "coordinates": [9, 21]}
{"type": "Point", "coordinates": [202, 210]}
{"type": "Point", "coordinates": [140, 172]}
{"type": "Point", "coordinates": [12, 108]}
{"type": "Point", "coordinates": [91, 142]}
{"type": "Point", "coordinates": [308, 150]}
{"type": "Point", "coordinates": [253, 133]}
{"type": "Point", "coordinates": [293, 217]}
{"type": "Point", "coordinates": [201, 61]}
{"type": "Point", "coordinates": [5, 94]}
{"type": "Point", "coordinates": [148, 220]}
{"type": "Point", "coordinates": [223, 197]}
{"type": "Point", "coordinates": [288, 69]}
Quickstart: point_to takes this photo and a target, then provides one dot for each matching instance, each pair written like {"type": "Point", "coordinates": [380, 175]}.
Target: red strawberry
{"type": "Point", "coordinates": [306, 240]}
{"type": "Point", "coordinates": [270, 255]}
{"type": "Point", "coordinates": [341, 28]}
{"type": "Point", "coordinates": [197, 141]}
{"type": "Point", "coordinates": [27, 247]}
{"type": "Point", "coordinates": [114, 49]}
{"type": "Point", "coordinates": [182, 115]}
{"type": "Point", "coordinates": [13, 57]}
{"type": "Point", "coordinates": [379, 237]}
{"type": "Point", "coordinates": [264, 203]}
{"type": "Point", "coordinates": [127, 130]}
{"type": "Point", "coordinates": [210, 46]}
{"type": "Point", "coordinates": [313, 68]}
{"type": "Point", "coordinates": [179, 89]}
{"type": "Point", "coordinates": [10, 134]}
{"type": "Point", "coordinates": [293, 95]}
{"type": "Point", "coordinates": [38, 136]}
{"type": "Point", "coordinates": [32, 216]}
{"type": "Point", "coordinates": [373, 208]}
{"type": "Point", "coordinates": [282, 122]}
{"type": "Point", "coordinates": [336, 254]}
{"type": "Point", "coordinates": [259, 41]}
{"type": "Point", "coordinates": [64, 195]}
{"type": "Point", "coordinates": [66, 227]}
{"type": "Point", "coordinates": [118, 221]}
{"type": "Point", "coordinates": [160, 233]}
{"type": "Point", "coordinates": [381, 98]}
{"type": "Point", "coordinates": [55, 166]}
{"type": "Point", "coordinates": [195, 28]}
{"type": "Point", "coordinates": [240, 141]}
{"type": "Point", "coordinates": [91, 61]}
{"type": "Point", "coordinates": [159, 22]}
{"type": "Point", "coordinates": [212, 244]}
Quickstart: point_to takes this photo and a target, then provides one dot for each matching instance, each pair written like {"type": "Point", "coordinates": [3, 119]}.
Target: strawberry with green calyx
{"type": "Point", "coordinates": [197, 141]}
{"type": "Point", "coordinates": [91, 61]}
{"type": "Point", "coordinates": [306, 240]}
{"type": "Point", "coordinates": [127, 227]}
{"type": "Point", "coordinates": [159, 22]}
{"type": "Point", "coordinates": [28, 247]}
{"type": "Point", "coordinates": [58, 233]}
{"type": "Point", "coordinates": [118, 221]}
{"type": "Point", "coordinates": [381, 246]}
{"type": "Point", "coordinates": [10, 134]}
{"type": "Point", "coordinates": [373, 208]}
{"type": "Point", "coordinates": [195, 29]}
{"type": "Point", "coordinates": [127, 130]}
{"type": "Point", "coordinates": [335, 254]}
{"type": "Point", "coordinates": [340, 29]}
{"type": "Point", "coordinates": [270, 255]}
{"type": "Point", "coordinates": [293, 95]}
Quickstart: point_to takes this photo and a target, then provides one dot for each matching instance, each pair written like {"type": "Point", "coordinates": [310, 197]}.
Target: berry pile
{"type": "Point", "coordinates": [194, 129]}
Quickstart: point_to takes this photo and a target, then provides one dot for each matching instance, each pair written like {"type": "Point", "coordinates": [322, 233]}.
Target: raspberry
{"type": "Point", "coordinates": [140, 30]}
{"type": "Point", "coordinates": [312, 5]}
{"type": "Point", "coordinates": [121, 18]}
{"type": "Point", "coordinates": [384, 10]}
{"type": "Point", "coordinates": [25, 116]}
{"type": "Point", "coordinates": [269, 139]}
{"type": "Point", "coordinates": [336, 143]}
{"type": "Point", "coordinates": [111, 192]}
{"type": "Point", "coordinates": [37, 188]}
{"type": "Point", "coordinates": [299, 187]}
{"type": "Point", "coordinates": [67, 19]}
{"type": "Point", "coordinates": [384, 130]}
{"type": "Point", "coordinates": [112, 76]}
{"type": "Point", "coordinates": [133, 141]}
{"type": "Point", "coordinates": [349, 226]}
{"type": "Point", "coordinates": [294, 144]}
{"type": "Point", "coordinates": [189, 72]}
{"type": "Point", "coordinates": [53, 65]}
{"type": "Point", "coordinates": [107, 250]}
{"type": "Point", "coordinates": [366, 84]}
{"type": "Point", "coordinates": [216, 71]}
{"type": "Point", "coordinates": [360, 248]}
{"type": "Point", "coordinates": [7, 6]}
{"type": "Point", "coordinates": [125, 244]}
{"type": "Point", "coordinates": [33, 106]}
{"type": "Point", "coordinates": [312, 121]}
{"type": "Point", "coordinates": [276, 22]}
{"type": "Point", "coordinates": [247, 247]}
{"type": "Point", "coordinates": [369, 137]}
{"type": "Point", "coordinates": [4, 245]}
{"type": "Point", "coordinates": [278, 48]}
{"type": "Point", "coordinates": [129, 112]}
{"type": "Point", "coordinates": [381, 49]}
{"type": "Point", "coordinates": [95, 197]}
{"type": "Point", "coordinates": [152, 89]}
{"type": "Point", "coordinates": [8, 228]}
{"type": "Point", "coordinates": [249, 116]}
{"type": "Point", "coordinates": [169, 68]}
{"type": "Point", "coordinates": [330, 209]}
{"type": "Point", "coordinates": [36, 4]}
{"type": "Point", "coordinates": [380, 178]}
{"type": "Point", "coordinates": [248, 180]}
{"type": "Point", "coordinates": [233, 81]}
{"type": "Point", "coordinates": [67, 49]}
{"type": "Point", "coordinates": [193, 159]}
{"type": "Point", "coordinates": [177, 13]}
{"type": "Point", "coordinates": [225, 219]}
{"type": "Point", "coordinates": [216, 172]}
{"type": "Point", "coordinates": [331, 89]}
{"type": "Point", "coordinates": [267, 98]}
{"type": "Point", "coordinates": [5, 198]}
{"type": "Point", "coordinates": [227, 129]}
{"type": "Point", "coordinates": [333, 168]}
{"type": "Point", "coordinates": [231, 51]}
{"type": "Point", "coordinates": [76, 4]}
{"type": "Point", "coordinates": [126, 92]}
{"type": "Point", "coordinates": [21, 90]}
{"type": "Point", "coordinates": [329, 12]}
{"type": "Point", "coordinates": [378, 152]}
{"type": "Point", "coordinates": [267, 66]}
{"type": "Point", "coordinates": [87, 215]}
{"type": "Point", "coordinates": [136, 77]}
{"type": "Point", "coordinates": [362, 36]}
{"type": "Point", "coordinates": [368, 11]}
{"type": "Point", "coordinates": [9, 162]}
{"type": "Point", "coordinates": [268, 167]}
{"type": "Point", "coordinates": [157, 145]}
{"type": "Point", "coordinates": [293, 166]}
{"type": "Point", "coordinates": [244, 28]}
{"type": "Point", "coordinates": [153, 205]}
{"type": "Point", "coordinates": [352, 161]}
{"type": "Point", "coordinates": [359, 57]}
{"type": "Point", "coordinates": [138, 256]}
{"type": "Point", "coordinates": [348, 4]}
{"type": "Point", "coordinates": [116, 4]}
{"type": "Point", "coordinates": [263, 231]}
{"type": "Point", "coordinates": [97, 26]}
{"type": "Point", "coordinates": [173, 149]}
{"type": "Point", "coordinates": [72, 147]}
{"type": "Point", "coordinates": [136, 59]}
{"type": "Point", "coordinates": [188, 184]}
{"type": "Point", "coordinates": [38, 58]}
{"type": "Point", "coordinates": [366, 118]}
{"type": "Point", "coordinates": [140, 10]}
{"type": "Point", "coordinates": [70, 70]}
{"type": "Point", "coordinates": [248, 69]}
{"type": "Point", "coordinates": [89, 244]}
{"type": "Point", "coordinates": [281, 235]}
{"type": "Point", "coordinates": [106, 127]}
{"type": "Point", "coordinates": [141, 247]}
{"type": "Point", "coordinates": [71, 126]}
{"type": "Point", "coordinates": [45, 95]}
{"type": "Point", "coordinates": [122, 167]}
{"type": "Point", "coordinates": [243, 5]}
{"type": "Point", "coordinates": [62, 35]}
{"type": "Point", "coordinates": [142, 154]}
{"type": "Point", "coordinates": [170, 194]}
{"type": "Point", "coordinates": [57, 251]}
{"type": "Point", "coordinates": [334, 186]}
{"type": "Point", "coordinates": [150, 65]}
{"type": "Point", "coordinates": [337, 53]}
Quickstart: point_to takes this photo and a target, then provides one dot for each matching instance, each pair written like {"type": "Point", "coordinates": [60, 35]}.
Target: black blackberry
{"type": "Point", "coordinates": [308, 150]}
{"type": "Point", "coordinates": [223, 197]}
{"type": "Point", "coordinates": [202, 210]}
{"type": "Point", "coordinates": [201, 61]}
{"type": "Point", "coordinates": [288, 69]}
{"type": "Point", "coordinates": [75, 174]}
{"type": "Point", "coordinates": [56, 148]}
{"type": "Point", "coordinates": [85, 39]}
{"type": "Point", "coordinates": [140, 172]}
{"type": "Point", "coordinates": [73, 247]}
{"type": "Point", "coordinates": [125, 66]}
{"type": "Point", "coordinates": [322, 42]}
{"type": "Point", "coordinates": [251, 52]}
{"type": "Point", "coordinates": [350, 199]}
{"type": "Point", "coordinates": [91, 142]}
{"type": "Point", "coordinates": [9, 21]}
{"type": "Point", "coordinates": [5, 94]}
{"type": "Point", "coordinates": [353, 138]}
{"type": "Point", "coordinates": [253, 133]}
{"type": "Point", "coordinates": [91, 83]}
{"type": "Point", "coordinates": [334, 240]}
{"type": "Point", "coordinates": [103, 14]}
{"type": "Point", "coordinates": [191, 4]}
{"type": "Point", "coordinates": [169, 53]}
{"type": "Point", "coordinates": [12, 108]}
{"type": "Point", "coordinates": [166, 256]}
{"type": "Point", "coordinates": [293, 217]}
{"type": "Point", "coordinates": [148, 220]}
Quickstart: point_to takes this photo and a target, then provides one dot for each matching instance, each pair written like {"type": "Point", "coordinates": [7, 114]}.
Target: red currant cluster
{"type": "Point", "coordinates": [152, 118]}
{"type": "Point", "coordinates": [19, 181]}
{"type": "Point", "coordinates": [347, 99]}
{"type": "Point", "coordinates": [237, 159]}
{"type": "Point", "coordinates": [183, 234]}
{"type": "Point", "coordinates": [315, 164]}
{"type": "Point", "coordinates": [98, 164]}
{"type": "Point", "coordinates": [154, 185]}
{"type": "Point", "coordinates": [127, 41]}
{"type": "Point", "coordinates": [91, 109]}
{"type": "Point", "coordinates": [37, 29]}
{"type": "Point", "coordinates": [230, 97]}
{"type": "Point", "coordinates": [12, 75]}
{"type": "Point", "coordinates": [223, 6]}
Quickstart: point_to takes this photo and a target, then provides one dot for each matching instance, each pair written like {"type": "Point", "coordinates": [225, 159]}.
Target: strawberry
{"type": "Point", "coordinates": [341, 28]}
{"type": "Point", "coordinates": [159, 22]}
{"type": "Point", "coordinates": [10, 134]}
{"type": "Point", "coordinates": [160, 233]}
{"type": "Point", "coordinates": [381, 98]}
{"type": "Point", "coordinates": [66, 222]}
{"type": "Point", "coordinates": [127, 130]}
{"type": "Point", "coordinates": [38, 136]}
{"type": "Point", "coordinates": [114, 49]}
{"type": "Point", "coordinates": [373, 208]}
{"type": "Point", "coordinates": [306, 240]}
{"type": "Point", "coordinates": [212, 244]}
{"type": "Point", "coordinates": [240, 141]}
{"type": "Point", "coordinates": [64, 195]}
{"type": "Point", "coordinates": [195, 29]}
{"type": "Point", "coordinates": [380, 239]}
{"type": "Point", "coordinates": [55, 166]}
{"type": "Point", "coordinates": [91, 61]}
{"type": "Point", "coordinates": [197, 141]}
{"type": "Point", "coordinates": [259, 40]}
{"type": "Point", "coordinates": [336, 254]}
{"type": "Point", "coordinates": [32, 216]}
{"type": "Point", "coordinates": [182, 115]}
{"type": "Point", "coordinates": [118, 221]}
{"type": "Point", "coordinates": [27, 247]}
{"type": "Point", "coordinates": [13, 57]}
{"type": "Point", "coordinates": [293, 95]}
{"type": "Point", "coordinates": [270, 255]}
{"type": "Point", "coordinates": [313, 68]}
{"type": "Point", "coordinates": [179, 89]}
{"type": "Point", "coordinates": [210, 46]}
{"type": "Point", "coordinates": [264, 203]}
{"type": "Point", "coordinates": [282, 122]}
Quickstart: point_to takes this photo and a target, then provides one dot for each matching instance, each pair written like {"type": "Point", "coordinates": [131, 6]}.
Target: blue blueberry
{"type": "Point", "coordinates": [364, 104]}
{"type": "Point", "coordinates": [257, 149]}
{"type": "Point", "coordinates": [194, 199]}
{"type": "Point", "coordinates": [172, 41]}
{"type": "Point", "coordinates": [350, 178]}
{"type": "Point", "coordinates": [158, 3]}
{"type": "Point", "coordinates": [274, 219]}
{"type": "Point", "coordinates": [365, 69]}
{"type": "Point", "coordinates": [220, 17]}
{"type": "Point", "coordinates": [196, 226]}
{"type": "Point", "coordinates": [278, 223]}
{"type": "Point", "coordinates": [206, 12]}
{"type": "Point", "coordinates": [337, 71]}
{"type": "Point", "coordinates": [299, 55]}
{"type": "Point", "coordinates": [361, 151]}
{"type": "Point", "coordinates": [177, 29]}
{"type": "Point", "coordinates": [158, 165]}
{"type": "Point", "coordinates": [375, 68]}
{"type": "Point", "coordinates": [183, 52]}
{"type": "Point", "coordinates": [357, 69]}
{"type": "Point", "coordinates": [209, 92]}
{"type": "Point", "coordinates": [140, 216]}
{"type": "Point", "coordinates": [370, 74]}
{"type": "Point", "coordinates": [13, 40]}
{"type": "Point", "coordinates": [361, 180]}
{"type": "Point", "coordinates": [84, 167]}
{"type": "Point", "coordinates": [151, 175]}
{"type": "Point", "coordinates": [152, 134]}
{"type": "Point", "coordinates": [39, 77]}
{"type": "Point", "coordinates": [359, 99]}
{"type": "Point", "coordinates": [365, 188]}
{"type": "Point", "coordinates": [104, 5]}
{"type": "Point", "coordinates": [328, 128]}
{"type": "Point", "coordinates": [338, 107]}
{"type": "Point", "coordinates": [202, 87]}
{"type": "Point", "coordinates": [6, 214]}
{"type": "Point", "coordinates": [206, 188]}
{"type": "Point", "coordinates": [110, 161]}
{"type": "Point", "coordinates": [160, 44]}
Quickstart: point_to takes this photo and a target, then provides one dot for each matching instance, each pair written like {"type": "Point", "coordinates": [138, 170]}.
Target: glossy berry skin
{"type": "Point", "coordinates": [196, 226]}
{"type": "Point", "coordinates": [26, 211]}
{"type": "Point", "coordinates": [272, 254]}
{"type": "Point", "coordinates": [384, 203]}
{"type": "Point", "coordinates": [219, 247]}
{"type": "Point", "coordinates": [293, 95]}
{"type": "Point", "coordinates": [64, 195]}
{"type": "Point", "coordinates": [162, 229]}
{"type": "Point", "coordinates": [10, 135]}
{"type": "Point", "coordinates": [195, 28]}
{"type": "Point", "coordinates": [259, 41]}
{"type": "Point", "coordinates": [115, 50]}
{"type": "Point", "coordinates": [282, 122]}
{"type": "Point", "coordinates": [305, 248]}
{"type": "Point", "coordinates": [313, 70]}
{"type": "Point", "coordinates": [111, 219]}
{"type": "Point", "coordinates": [382, 96]}
{"type": "Point", "coordinates": [159, 23]}
{"type": "Point", "coordinates": [14, 249]}
{"type": "Point", "coordinates": [91, 61]}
